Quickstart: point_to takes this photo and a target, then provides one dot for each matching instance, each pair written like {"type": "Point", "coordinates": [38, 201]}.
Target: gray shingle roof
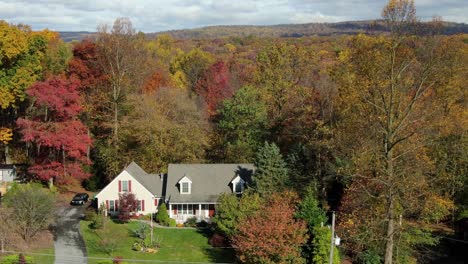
{"type": "Point", "coordinates": [208, 180]}
{"type": "Point", "coordinates": [153, 182]}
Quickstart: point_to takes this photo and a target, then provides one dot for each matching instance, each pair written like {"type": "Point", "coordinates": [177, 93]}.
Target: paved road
{"type": "Point", "coordinates": [69, 244]}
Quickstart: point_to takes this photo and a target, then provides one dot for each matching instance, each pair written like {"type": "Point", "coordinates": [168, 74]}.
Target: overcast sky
{"type": "Point", "coordinates": [159, 15]}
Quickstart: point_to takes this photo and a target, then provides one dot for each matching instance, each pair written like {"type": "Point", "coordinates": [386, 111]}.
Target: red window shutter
{"type": "Point", "coordinates": [156, 202]}
{"type": "Point", "coordinates": [116, 202]}
{"type": "Point", "coordinates": [120, 186]}
{"type": "Point", "coordinates": [142, 205]}
{"type": "Point", "coordinates": [107, 204]}
{"type": "Point", "coordinates": [129, 186]}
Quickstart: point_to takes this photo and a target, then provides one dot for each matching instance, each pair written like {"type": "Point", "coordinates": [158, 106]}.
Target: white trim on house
{"type": "Point", "coordinates": [182, 182]}
{"type": "Point", "coordinates": [235, 182]}
{"type": "Point", "coordinates": [202, 211]}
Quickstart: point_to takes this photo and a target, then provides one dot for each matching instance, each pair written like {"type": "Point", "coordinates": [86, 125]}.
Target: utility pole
{"type": "Point", "coordinates": [151, 223]}
{"type": "Point", "coordinates": [332, 243]}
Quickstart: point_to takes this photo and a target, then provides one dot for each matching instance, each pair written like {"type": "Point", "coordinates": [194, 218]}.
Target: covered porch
{"type": "Point", "coordinates": [183, 211]}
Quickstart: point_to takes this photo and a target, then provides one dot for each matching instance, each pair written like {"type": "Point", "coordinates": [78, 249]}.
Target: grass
{"type": "Point", "coordinates": [177, 245]}
{"type": "Point", "coordinates": [44, 256]}
{"type": "Point", "coordinates": [40, 256]}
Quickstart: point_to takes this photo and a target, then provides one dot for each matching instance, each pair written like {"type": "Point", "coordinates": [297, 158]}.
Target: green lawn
{"type": "Point", "coordinates": [41, 256]}
{"type": "Point", "coordinates": [44, 256]}
{"type": "Point", "coordinates": [177, 245]}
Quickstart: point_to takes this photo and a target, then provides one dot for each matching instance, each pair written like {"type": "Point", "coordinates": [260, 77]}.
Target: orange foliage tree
{"type": "Point", "coordinates": [272, 234]}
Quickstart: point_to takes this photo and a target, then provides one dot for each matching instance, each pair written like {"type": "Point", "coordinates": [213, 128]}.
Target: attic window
{"type": "Point", "coordinates": [185, 185]}
{"type": "Point", "coordinates": [239, 187]}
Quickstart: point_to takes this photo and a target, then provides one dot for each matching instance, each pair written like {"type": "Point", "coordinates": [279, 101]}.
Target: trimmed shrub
{"type": "Point", "coordinates": [162, 216]}
{"type": "Point", "coordinates": [217, 240]}
{"type": "Point", "coordinates": [172, 222]}
{"type": "Point", "coordinates": [97, 222]}
{"type": "Point", "coordinates": [90, 215]}
{"type": "Point", "coordinates": [191, 222]}
{"type": "Point", "coordinates": [202, 223]}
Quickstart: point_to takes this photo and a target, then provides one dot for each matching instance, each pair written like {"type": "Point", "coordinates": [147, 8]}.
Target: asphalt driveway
{"type": "Point", "coordinates": [69, 244]}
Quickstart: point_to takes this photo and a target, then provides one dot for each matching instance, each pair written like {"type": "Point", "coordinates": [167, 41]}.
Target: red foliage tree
{"type": "Point", "coordinates": [61, 141]}
{"type": "Point", "coordinates": [214, 86]}
{"type": "Point", "coordinates": [272, 235]}
{"type": "Point", "coordinates": [127, 205]}
{"type": "Point", "coordinates": [84, 65]}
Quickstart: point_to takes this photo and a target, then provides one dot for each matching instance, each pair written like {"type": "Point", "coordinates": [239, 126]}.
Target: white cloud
{"type": "Point", "coordinates": [157, 15]}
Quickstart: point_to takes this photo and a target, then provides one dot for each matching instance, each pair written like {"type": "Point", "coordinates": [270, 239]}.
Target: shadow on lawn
{"type": "Point", "coordinates": [222, 254]}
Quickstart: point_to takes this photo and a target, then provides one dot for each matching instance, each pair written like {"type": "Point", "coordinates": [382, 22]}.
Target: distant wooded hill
{"type": "Point", "coordinates": [287, 30]}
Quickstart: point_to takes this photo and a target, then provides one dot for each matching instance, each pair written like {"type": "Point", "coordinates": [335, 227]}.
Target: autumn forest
{"type": "Point", "coordinates": [371, 126]}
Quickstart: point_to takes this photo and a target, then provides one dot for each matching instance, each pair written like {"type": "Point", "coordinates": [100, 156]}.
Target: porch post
{"type": "Point", "coordinates": [170, 210]}
{"type": "Point", "coordinates": [199, 212]}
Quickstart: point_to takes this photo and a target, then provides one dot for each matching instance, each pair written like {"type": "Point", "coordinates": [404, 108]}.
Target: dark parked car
{"type": "Point", "coordinates": [79, 199]}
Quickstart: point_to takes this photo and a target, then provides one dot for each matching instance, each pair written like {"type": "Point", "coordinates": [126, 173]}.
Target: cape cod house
{"type": "Point", "coordinates": [193, 189]}
{"type": "Point", "coordinates": [148, 190]}
{"type": "Point", "coordinates": [189, 190]}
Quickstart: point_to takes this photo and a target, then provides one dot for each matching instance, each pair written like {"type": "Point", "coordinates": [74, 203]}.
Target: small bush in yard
{"type": "Point", "coordinates": [202, 223]}
{"type": "Point", "coordinates": [127, 206]}
{"type": "Point", "coordinates": [15, 259]}
{"type": "Point", "coordinates": [117, 260]}
{"type": "Point", "coordinates": [191, 222]}
{"type": "Point", "coordinates": [172, 222]}
{"type": "Point", "coordinates": [162, 217]}
{"type": "Point", "coordinates": [217, 240]}
{"type": "Point", "coordinates": [97, 222]}
{"type": "Point", "coordinates": [141, 231]}
{"type": "Point", "coordinates": [89, 214]}
{"type": "Point", "coordinates": [137, 246]}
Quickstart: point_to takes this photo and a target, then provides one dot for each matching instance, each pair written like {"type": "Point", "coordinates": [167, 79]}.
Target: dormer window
{"type": "Point", "coordinates": [239, 188]}
{"type": "Point", "coordinates": [185, 185]}
{"type": "Point", "coordinates": [238, 185]}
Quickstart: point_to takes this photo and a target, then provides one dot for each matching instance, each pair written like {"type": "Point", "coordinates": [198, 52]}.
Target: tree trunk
{"type": "Point", "coordinates": [390, 233]}
{"type": "Point", "coordinates": [390, 209]}
{"type": "Point", "coordinates": [116, 121]}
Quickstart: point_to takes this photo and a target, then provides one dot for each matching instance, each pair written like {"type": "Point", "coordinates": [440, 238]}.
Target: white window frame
{"type": "Point", "coordinates": [185, 188]}
{"type": "Point", "coordinates": [235, 182]}
{"type": "Point", "coordinates": [111, 205]}
{"type": "Point", "coordinates": [124, 186]}
{"type": "Point", "coordinates": [185, 209]}
{"type": "Point", "coordinates": [187, 181]}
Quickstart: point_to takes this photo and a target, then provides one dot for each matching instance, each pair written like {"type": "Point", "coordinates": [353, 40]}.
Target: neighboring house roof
{"type": "Point", "coordinates": [208, 180]}
{"type": "Point", "coordinates": [152, 182]}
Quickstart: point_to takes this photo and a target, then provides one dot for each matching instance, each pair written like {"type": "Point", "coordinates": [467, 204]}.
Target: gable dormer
{"type": "Point", "coordinates": [185, 185]}
{"type": "Point", "coordinates": [238, 185]}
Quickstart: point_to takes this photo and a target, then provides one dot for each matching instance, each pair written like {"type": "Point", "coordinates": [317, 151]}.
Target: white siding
{"type": "Point", "coordinates": [111, 192]}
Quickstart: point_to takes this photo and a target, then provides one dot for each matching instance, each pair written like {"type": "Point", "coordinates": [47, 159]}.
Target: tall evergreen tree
{"type": "Point", "coordinates": [271, 174]}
